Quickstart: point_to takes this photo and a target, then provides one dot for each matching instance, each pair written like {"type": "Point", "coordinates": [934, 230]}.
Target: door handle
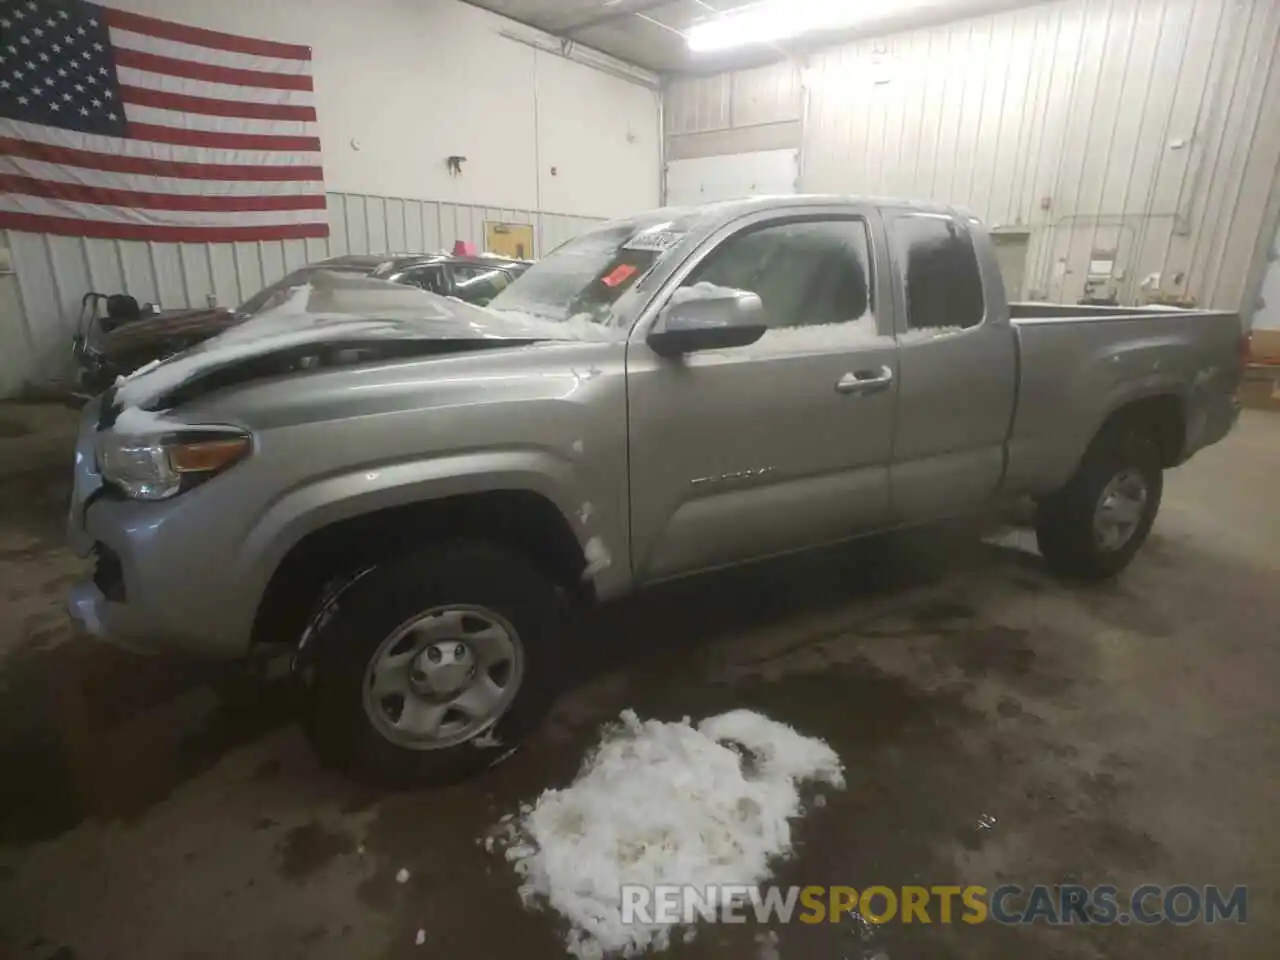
{"type": "Point", "coordinates": [865, 381]}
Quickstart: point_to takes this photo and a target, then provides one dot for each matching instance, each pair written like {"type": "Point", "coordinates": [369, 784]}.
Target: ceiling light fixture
{"type": "Point", "coordinates": [772, 20]}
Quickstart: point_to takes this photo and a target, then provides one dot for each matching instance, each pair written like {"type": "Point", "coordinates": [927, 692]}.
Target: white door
{"type": "Point", "coordinates": [733, 176]}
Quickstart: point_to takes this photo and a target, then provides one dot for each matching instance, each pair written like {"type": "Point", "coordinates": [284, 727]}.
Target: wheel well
{"type": "Point", "coordinates": [1160, 418]}
{"type": "Point", "coordinates": [525, 521]}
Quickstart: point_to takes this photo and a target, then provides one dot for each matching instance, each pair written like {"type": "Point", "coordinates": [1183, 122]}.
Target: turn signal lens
{"type": "Point", "coordinates": [207, 456]}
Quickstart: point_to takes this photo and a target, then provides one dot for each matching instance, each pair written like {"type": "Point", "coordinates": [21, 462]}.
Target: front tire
{"type": "Point", "coordinates": [432, 666]}
{"type": "Point", "coordinates": [1091, 528]}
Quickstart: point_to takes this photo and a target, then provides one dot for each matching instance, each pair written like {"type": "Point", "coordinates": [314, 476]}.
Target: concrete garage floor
{"type": "Point", "coordinates": [1123, 733]}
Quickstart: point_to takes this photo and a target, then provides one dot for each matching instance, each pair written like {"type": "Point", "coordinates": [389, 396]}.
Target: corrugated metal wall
{"type": "Point", "coordinates": [1147, 127]}
{"type": "Point", "coordinates": [743, 112]}
{"type": "Point", "coordinates": [40, 300]}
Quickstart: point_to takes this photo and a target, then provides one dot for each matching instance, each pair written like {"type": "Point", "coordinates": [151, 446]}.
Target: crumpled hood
{"type": "Point", "coordinates": [334, 309]}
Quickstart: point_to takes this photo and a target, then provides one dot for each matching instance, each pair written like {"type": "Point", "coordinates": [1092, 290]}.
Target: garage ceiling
{"type": "Point", "coordinates": [649, 33]}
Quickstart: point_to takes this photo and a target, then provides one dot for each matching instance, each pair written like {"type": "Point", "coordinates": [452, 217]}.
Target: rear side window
{"type": "Point", "coordinates": [944, 287]}
{"type": "Point", "coordinates": [430, 279]}
{"type": "Point", "coordinates": [478, 284]}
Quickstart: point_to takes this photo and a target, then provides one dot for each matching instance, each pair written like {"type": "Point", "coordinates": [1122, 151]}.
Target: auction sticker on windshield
{"type": "Point", "coordinates": [656, 240]}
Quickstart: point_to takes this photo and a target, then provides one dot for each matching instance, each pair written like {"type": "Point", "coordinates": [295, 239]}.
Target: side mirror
{"type": "Point", "coordinates": [707, 317]}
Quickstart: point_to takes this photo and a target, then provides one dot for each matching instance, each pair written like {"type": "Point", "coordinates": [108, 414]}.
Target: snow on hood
{"type": "Point", "coordinates": [662, 803]}
{"type": "Point", "coordinates": [332, 308]}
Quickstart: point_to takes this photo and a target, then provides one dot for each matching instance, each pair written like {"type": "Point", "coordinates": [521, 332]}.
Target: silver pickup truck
{"type": "Point", "coordinates": [403, 489]}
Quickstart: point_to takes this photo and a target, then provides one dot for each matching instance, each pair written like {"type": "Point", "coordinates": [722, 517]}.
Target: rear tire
{"type": "Point", "coordinates": [470, 582]}
{"type": "Point", "coordinates": [1091, 528]}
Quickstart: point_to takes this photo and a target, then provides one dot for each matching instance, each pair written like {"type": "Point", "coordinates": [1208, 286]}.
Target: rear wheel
{"type": "Point", "coordinates": [1092, 527]}
{"type": "Point", "coordinates": [432, 666]}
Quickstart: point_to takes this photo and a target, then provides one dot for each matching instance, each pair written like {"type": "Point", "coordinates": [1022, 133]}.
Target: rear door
{"type": "Point", "coordinates": [782, 444]}
{"type": "Point", "coordinates": [958, 361]}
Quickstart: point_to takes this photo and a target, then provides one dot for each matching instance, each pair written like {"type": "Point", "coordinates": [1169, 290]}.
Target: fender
{"type": "Point", "coordinates": [327, 500]}
{"type": "Point", "coordinates": [1045, 454]}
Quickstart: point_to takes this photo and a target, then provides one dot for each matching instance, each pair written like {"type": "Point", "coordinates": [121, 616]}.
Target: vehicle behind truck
{"type": "Point", "coordinates": [403, 491]}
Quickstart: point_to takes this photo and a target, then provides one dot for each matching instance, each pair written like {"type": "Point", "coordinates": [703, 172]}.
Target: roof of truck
{"type": "Point", "coordinates": [687, 217]}
{"type": "Point", "coordinates": [371, 261]}
{"type": "Point", "coordinates": [811, 199]}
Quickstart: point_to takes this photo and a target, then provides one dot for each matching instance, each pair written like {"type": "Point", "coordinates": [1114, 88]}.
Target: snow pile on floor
{"type": "Point", "coordinates": [662, 803]}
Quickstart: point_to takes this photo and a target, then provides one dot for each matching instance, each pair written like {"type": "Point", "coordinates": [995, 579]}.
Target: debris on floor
{"type": "Point", "coordinates": [663, 803]}
{"type": "Point", "coordinates": [402, 875]}
{"type": "Point", "coordinates": [768, 943]}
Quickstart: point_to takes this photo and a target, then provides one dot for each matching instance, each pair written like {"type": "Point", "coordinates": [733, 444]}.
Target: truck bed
{"type": "Point", "coordinates": [1076, 363]}
{"type": "Point", "coordinates": [1039, 310]}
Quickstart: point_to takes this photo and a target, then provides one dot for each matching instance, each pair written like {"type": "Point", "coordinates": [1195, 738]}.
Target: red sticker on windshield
{"type": "Point", "coordinates": [619, 274]}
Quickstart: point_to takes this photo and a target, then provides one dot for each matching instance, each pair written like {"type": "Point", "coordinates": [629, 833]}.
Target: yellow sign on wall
{"type": "Point", "coordinates": [509, 239]}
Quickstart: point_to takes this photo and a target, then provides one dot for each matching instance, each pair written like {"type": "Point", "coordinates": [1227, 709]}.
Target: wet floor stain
{"type": "Point", "coordinates": [12, 428]}
{"type": "Point", "coordinates": [80, 712]}
{"type": "Point", "coordinates": [941, 611]}
{"type": "Point", "coordinates": [957, 711]}
{"type": "Point", "coordinates": [268, 769]}
{"type": "Point", "coordinates": [309, 848]}
{"type": "Point", "coordinates": [33, 507]}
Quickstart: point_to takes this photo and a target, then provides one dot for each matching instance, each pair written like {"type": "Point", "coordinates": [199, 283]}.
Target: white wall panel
{"type": "Point", "coordinates": [197, 272]}
{"type": "Point", "coordinates": [704, 179]}
{"type": "Point", "coordinates": [699, 104]}
{"type": "Point", "coordinates": [51, 274]}
{"type": "Point", "coordinates": [170, 289]}
{"type": "Point", "coordinates": [765, 95]}
{"type": "Point", "coordinates": [750, 111]}
{"type": "Point", "coordinates": [600, 135]}
{"type": "Point", "coordinates": [1148, 126]}
{"type": "Point", "coordinates": [135, 264]}
{"type": "Point", "coordinates": [106, 271]}
{"type": "Point", "coordinates": [222, 268]}
{"type": "Point", "coordinates": [400, 86]}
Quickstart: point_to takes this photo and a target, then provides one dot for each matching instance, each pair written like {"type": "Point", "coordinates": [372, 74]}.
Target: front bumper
{"type": "Point", "coordinates": [157, 599]}
{"type": "Point", "coordinates": [153, 591]}
{"type": "Point", "coordinates": [113, 622]}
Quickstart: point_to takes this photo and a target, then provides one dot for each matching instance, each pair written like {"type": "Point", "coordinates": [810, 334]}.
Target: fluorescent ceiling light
{"type": "Point", "coordinates": [774, 20]}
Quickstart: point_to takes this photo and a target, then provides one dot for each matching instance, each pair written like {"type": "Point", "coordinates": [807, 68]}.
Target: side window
{"type": "Point", "coordinates": [944, 286]}
{"type": "Point", "coordinates": [430, 279]}
{"type": "Point", "coordinates": [806, 273]}
{"type": "Point", "coordinates": [478, 284]}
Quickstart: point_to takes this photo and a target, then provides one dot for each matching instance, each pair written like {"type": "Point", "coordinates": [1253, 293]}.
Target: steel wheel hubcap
{"type": "Point", "coordinates": [443, 677]}
{"type": "Point", "coordinates": [1119, 511]}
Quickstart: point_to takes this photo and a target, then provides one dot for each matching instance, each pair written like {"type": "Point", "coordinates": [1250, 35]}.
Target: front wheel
{"type": "Point", "coordinates": [432, 666]}
{"type": "Point", "coordinates": [1092, 527]}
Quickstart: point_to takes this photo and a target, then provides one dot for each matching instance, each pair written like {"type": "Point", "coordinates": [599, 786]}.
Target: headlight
{"type": "Point", "coordinates": [155, 468]}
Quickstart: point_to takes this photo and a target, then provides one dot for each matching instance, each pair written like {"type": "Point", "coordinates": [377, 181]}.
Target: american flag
{"type": "Point", "coordinates": [118, 125]}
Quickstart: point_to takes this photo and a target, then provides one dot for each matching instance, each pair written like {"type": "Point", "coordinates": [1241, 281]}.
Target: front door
{"type": "Point", "coordinates": [784, 444]}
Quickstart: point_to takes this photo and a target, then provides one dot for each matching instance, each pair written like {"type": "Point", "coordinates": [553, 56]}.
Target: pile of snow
{"type": "Point", "coordinates": [663, 803]}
